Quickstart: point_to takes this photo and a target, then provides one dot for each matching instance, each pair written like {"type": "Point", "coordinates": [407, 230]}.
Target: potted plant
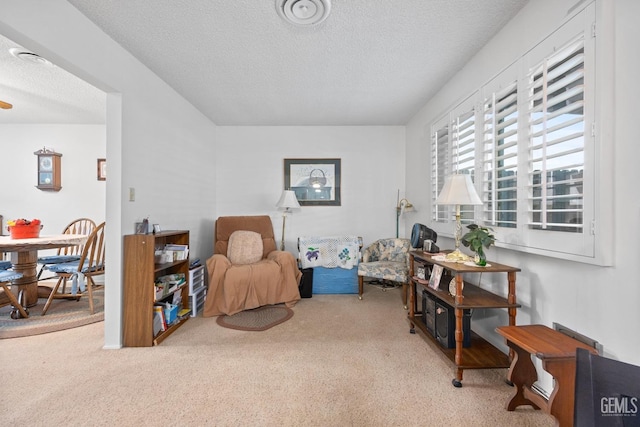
{"type": "Point", "coordinates": [476, 239]}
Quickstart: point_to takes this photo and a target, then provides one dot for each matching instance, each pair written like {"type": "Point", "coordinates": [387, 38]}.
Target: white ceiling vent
{"type": "Point", "coordinates": [304, 12]}
{"type": "Point", "coordinates": [27, 56]}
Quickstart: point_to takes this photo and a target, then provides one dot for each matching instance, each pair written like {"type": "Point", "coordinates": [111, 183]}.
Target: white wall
{"type": "Point", "coordinates": [160, 145]}
{"type": "Point", "coordinates": [250, 177]}
{"type": "Point", "coordinates": [82, 195]}
{"type": "Point", "coordinates": [156, 142]}
{"type": "Point", "coordinates": [600, 302]}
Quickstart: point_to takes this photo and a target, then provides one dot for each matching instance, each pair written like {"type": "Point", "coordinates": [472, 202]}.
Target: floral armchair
{"type": "Point", "coordinates": [386, 259]}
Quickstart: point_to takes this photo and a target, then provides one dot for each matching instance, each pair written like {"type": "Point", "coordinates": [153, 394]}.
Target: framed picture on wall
{"type": "Point", "coordinates": [316, 182]}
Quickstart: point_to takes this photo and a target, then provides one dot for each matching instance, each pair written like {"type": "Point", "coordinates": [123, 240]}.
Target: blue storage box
{"type": "Point", "coordinates": [170, 313]}
{"type": "Point", "coordinates": [335, 280]}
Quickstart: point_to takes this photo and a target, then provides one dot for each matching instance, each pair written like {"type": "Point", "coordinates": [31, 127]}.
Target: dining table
{"type": "Point", "coordinates": [24, 259]}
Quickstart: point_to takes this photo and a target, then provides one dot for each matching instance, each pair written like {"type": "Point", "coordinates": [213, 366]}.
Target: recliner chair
{"type": "Point", "coordinates": [246, 271]}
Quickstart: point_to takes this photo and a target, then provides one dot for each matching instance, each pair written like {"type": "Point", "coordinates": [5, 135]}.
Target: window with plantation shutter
{"type": "Point", "coordinates": [500, 157]}
{"type": "Point", "coordinates": [530, 143]}
{"type": "Point", "coordinates": [453, 150]}
{"type": "Point", "coordinates": [463, 139]}
{"type": "Point", "coordinates": [439, 161]}
{"type": "Point", "coordinates": [556, 142]}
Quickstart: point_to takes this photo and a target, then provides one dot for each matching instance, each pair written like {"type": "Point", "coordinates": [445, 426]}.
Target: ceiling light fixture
{"type": "Point", "coordinates": [304, 12]}
{"type": "Point", "coordinates": [27, 56]}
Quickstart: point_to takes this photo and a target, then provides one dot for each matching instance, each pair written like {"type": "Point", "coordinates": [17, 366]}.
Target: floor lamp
{"type": "Point", "coordinates": [403, 206]}
{"type": "Point", "coordinates": [458, 190]}
{"type": "Point", "coordinates": [287, 202]}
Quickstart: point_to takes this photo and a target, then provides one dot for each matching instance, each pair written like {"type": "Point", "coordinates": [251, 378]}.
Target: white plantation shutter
{"type": "Point", "coordinates": [500, 157]}
{"type": "Point", "coordinates": [453, 150]}
{"type": "Point", "coordinates": [530, 144]}
{"type": "Point", "coordinates": [439, 162]}
{"type": "Point", "coordinates": [556, 142]}
{"type": "Point", "coordinates": [463, 140]}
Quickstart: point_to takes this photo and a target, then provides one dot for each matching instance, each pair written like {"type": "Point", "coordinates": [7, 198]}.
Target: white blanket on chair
{"type": "Point", "coordinates": [329, 252]}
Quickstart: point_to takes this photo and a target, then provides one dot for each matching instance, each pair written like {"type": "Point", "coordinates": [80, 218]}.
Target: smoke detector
{"type": "Point", "coordinates": [27, 56]}
{"type": "Point", "coordinates": [304, 12]}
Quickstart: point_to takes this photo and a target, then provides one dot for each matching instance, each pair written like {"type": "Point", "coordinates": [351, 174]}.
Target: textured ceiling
{"type": "Point", "coordinates": [371, 62]}
{"type": "Point", "coordinates": [45, 93]}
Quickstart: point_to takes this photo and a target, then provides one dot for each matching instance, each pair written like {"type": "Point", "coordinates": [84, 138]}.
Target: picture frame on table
{"type": "Point", "coordinates": [316, 182]}
{"type": "Point", "coordinates": [436, 275]}
{"type": "Point", "coordinates": [142, 227]}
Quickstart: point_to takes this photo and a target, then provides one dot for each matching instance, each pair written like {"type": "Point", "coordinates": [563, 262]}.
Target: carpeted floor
{"type": "Point", "coordinates": [61, 315]}
{"type": "Point", "coordinates": [338, 361]}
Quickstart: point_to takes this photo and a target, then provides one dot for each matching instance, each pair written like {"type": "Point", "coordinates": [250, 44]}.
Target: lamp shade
{"type": "Point", "coordinates": [288, 200]}
{"type": "Point", "coordinates": [458, 190]}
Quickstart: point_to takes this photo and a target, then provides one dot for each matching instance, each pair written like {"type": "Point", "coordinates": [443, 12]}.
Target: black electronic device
{"type": "Point", "coordinates": [421, 233]}
{"type": "Point", "coordinates": [445, 325]}
{"type": "Point", "coordinates": [306, 283]}
{"type": "Point", "coordinates": [429, 312]}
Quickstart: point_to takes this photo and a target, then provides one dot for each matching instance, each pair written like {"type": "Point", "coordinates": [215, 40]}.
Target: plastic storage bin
{"type": "Point", "coordinates": [335, 280]}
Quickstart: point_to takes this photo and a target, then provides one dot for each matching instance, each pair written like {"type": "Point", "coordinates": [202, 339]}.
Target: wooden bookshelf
{"type": "Point", "coordinates": [139, 275]}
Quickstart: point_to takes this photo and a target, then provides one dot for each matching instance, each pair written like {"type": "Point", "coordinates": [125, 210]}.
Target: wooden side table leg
{"type": "Point", "coordinates": [412, 306]}
{"type": "Point", "coordinates": [522, 374]}
{"type": "Point", "coordinates": [457, 381]}
{"type": "Point", "coordinates": [459, 334]}
{"type": "Point", "coordinates": [511, 297]}
{"type": "Point", "coordinates": [562, 398]}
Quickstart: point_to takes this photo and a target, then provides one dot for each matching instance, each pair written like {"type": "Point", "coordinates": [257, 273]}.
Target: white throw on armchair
{"type": "Point", "coordinates": [386, 259]}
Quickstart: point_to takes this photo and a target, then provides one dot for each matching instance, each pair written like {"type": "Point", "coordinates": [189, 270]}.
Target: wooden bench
{"type": "Point", "coordinates": [558, 354]}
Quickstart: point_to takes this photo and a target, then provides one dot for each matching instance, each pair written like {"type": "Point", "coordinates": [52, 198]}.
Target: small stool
{"type": "Point", "coordinates": [558, 354]}
{"type": "Point", "coordinates": [6, 277]}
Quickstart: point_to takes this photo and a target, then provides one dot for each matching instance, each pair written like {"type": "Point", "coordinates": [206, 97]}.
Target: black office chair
{"type": "Point", "coordinates": [607, 392]}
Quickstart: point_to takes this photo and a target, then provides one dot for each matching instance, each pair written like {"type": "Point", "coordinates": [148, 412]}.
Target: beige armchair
{"type": "Point", "coordinates": [246, 271]}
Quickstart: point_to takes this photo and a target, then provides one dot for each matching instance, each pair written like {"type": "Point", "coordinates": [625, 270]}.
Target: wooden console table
{"type": "Point", "coordinates": [558, 354]}
{"type": "Point", "coordinates": [480, 354]}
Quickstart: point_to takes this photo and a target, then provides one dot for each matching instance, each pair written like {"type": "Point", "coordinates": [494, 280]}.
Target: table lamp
{"type": "Point", "coordinates": [287, 202]}
{"type": "Point", "coordinates": [458, 190]}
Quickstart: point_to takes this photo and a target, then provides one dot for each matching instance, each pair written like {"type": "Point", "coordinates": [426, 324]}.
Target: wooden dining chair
{"type": "Point", "coordinates": [83, 226]}
{"type": "Point", "coordinates": [6, 278]}
{"type": "Point", "coordinates": [80, 272]}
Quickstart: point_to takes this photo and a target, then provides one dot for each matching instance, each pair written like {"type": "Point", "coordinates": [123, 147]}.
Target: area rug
{"type": "Point", "coordinates": [63, 314]}
{"type": "Point", "coordinates": [258, 319]}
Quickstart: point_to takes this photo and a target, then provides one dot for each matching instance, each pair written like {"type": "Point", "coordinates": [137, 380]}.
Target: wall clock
{"type": "Point", "coordinates": [49, 174]}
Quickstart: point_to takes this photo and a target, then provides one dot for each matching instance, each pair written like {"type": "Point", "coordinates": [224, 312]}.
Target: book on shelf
{"type": "Point", "coordinates": [185, 312]}
{"type": "Point", "coordinates": [159, 320]}
{"type": "Point", "coordinates": [166, 285]}
{"type": "Point", "coordinates": [169, 312]}
{"type": "Point", "coordinates": [179, 252]}
{"type": "Point", "coordinates": [175, 247]}
{"type": "Point", "coordinates": [171, 253]}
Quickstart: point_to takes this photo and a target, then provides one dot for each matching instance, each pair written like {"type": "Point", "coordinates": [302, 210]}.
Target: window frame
{"type": "Point", "coordinates": [590, 245]}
